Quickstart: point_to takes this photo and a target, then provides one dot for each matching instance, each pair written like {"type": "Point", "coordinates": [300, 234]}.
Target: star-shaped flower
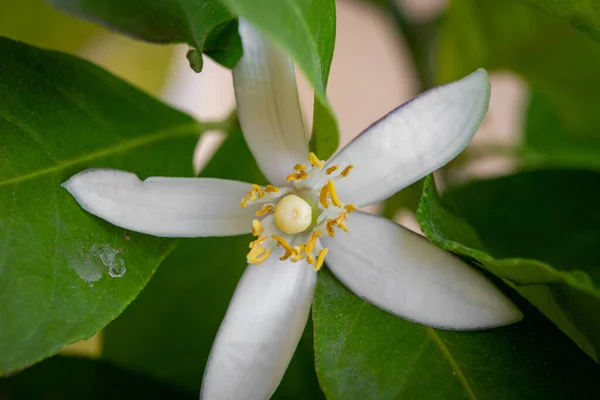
{"type": "Point", "coordinates": [309, 214]}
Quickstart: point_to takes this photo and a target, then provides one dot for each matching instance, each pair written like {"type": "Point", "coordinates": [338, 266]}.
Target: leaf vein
{"type": "Point", "coordinates": [455, 367]}
{"type": "Point", "coordinates": [176, 131]}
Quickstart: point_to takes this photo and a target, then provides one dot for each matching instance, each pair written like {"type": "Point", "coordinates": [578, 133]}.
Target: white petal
{"type": "Point", "coordinates": [260, 332]}
{"type": "Point", "coordinates": [169, 207]}
{"type": "Point", "coordinates": [268, 106]}
{"type": "Point", "coordinates": [404, 274]}
{"type": "Point", "coordinates": [413, 140]}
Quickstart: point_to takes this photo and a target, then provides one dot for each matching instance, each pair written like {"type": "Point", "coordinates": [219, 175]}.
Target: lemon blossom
{"type": "Point", "coordinates": [309, 214]}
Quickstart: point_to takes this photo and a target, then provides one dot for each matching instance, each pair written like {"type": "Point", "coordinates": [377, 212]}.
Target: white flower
{"type": "Point", "coordinates": [295, 220]}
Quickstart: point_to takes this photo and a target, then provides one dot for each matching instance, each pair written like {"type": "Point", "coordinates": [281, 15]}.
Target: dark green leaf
{"type": "Point", "coordinates": [188, 298]}
{"type": "Point", "coordinates": [582, 14]}
{"type": "Point", "coordinates": [365, 353]}
{"type": "Point", "coordinates": [557, 61]}
{"type": "Point", "coordinates": [206, 25]}
{"type": "Point", "coordinates": [305, 29]}
{"type": "Point", "coordinates": [539, 231]}
{"type": "Point", "coordinates": [81, 378]}
{"type": "Point", "coordinates": [58, 116]}
{"type": "Point", "coordinates": [548, 144]}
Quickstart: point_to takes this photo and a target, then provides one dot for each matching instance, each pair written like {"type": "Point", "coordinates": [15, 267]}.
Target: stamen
{"type": "Point", "coordinates": [347, 170]}
{"type": "Point", "coordinates": [343, 226]}
{"type": "Point", "coordinates": [331, 169]}
{"type": "Point", "coordinates": [312, 241]}
{"type": "Point", "coordinates": [289, 250]}
{"type": "Point", "coordinates": [340, 219]}
{"type": "Point", "coordinates": [297, 176]}
{"type": "Point", "coordinates": [251, 196]}
{"type": "Point", "coordinates": [255, 252]}
{"type": "Point", "coordinates": [298, 256]}
{"type": "Point", "coordinates": [320, 259]}
{"type": "Point", "coordinates": [267, 208]}
{"type": "Point", "coordinates": [299, 167]}
{"type": "Point", "coordinates": [258, 191]}
{"type": "Point", "coordinates": [271, 189]}
{"type": "Point", "coordinates": [244, 203]}
{"type": "Point", "coordinates": [260, 259]}
{"type": "Point", "coordinates": [314, 160]}
{"type": "Point", "coordinates": [323, 196]}
{"type": "Point", "coordinates": [258, 242]}
{"type": "Point", "coordinates": [257, 228]}
{"type": "Point", "coordinates": [350, 207]}
{"type": "Point", "coordinates": [329, 226]}
{"type": "Point", "coordinates": [332, 193]}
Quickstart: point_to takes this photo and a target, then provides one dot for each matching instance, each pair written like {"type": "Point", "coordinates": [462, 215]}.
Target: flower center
{"type": "Point", "coordinates": [293, 214]}
{"type": "Point", "coordinates": [302, 210]}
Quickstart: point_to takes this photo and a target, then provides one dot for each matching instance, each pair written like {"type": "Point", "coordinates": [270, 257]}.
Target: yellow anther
{"type": "Point", "coordinates": [340, 219]}
{"type": "Point", "coordinates": [258, 191]}
{"type": "Point", "coordinates": [298, 255]}
{"type": "Point", "coordinates": [251, 196]}
{"type": "Point", "coordinates": [347, 170]}
{"type": "Point", "coordinates": [331, 169]}
{"type": "Point", "coordinates": [343, 226]}
{"type": "Point", "coordinates": [332, 193]}
{"type": "Point", "coordinates": [297, 176]}
{"type": "Point", "coordinates": [289, 250]}
{"type": "Point", "coordinates": [312, 241]}
{"type": "Point", "coordinates": [255, 252]}
{"type": "Point", "coordinates": [350, 207]}
{"type": "Point", "coordinates": [323, 196]}
{"type": "Point", "coordinates": [320, 259]}
{"type": "Point", "coordinates": [257, 228]}
{"type": "Point", "coordinates": [299, 167]}
{"type": "Point", "coordinates": [260, 259]}
{"type": "Point", "coordinates": [244, 203]}
{"type": "Point", "coordinates": [314, 160]}
{"type": "Point", "coordinates": [258, 242]}
{"type": "Point", "coordinates": [267, 208]}
{"type": "Point", "coordinates": [329, 226]}
{"type": "Point", "coordinates": [271, 189]}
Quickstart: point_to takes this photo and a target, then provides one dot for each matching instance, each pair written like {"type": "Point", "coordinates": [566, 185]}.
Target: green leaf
{"type": "Point", "coordinates": [38, 24]}
{"type": "Point", "coordinates": [188, 298]}
{"type": "Point", "coordinates": [365, 353]}
{"type": "Point", "coordinates": [305, 29]}
{"type": "Point", "coordinates": [59, 265]}
{"type": "Point", "coordinates": [547, 143]}
{"type": "Point", "coordinates": [539, 231]}
{"type": "Point", "coordinates": [205, 25]}
{"type": "Point", "coordinates": [81, 378]}
{"type": "Point", "coordinates": [582, 14]}
{"type": "Point", "coordinates": [556, 60]}
{"type": "Point", "coordinates": [406, 199]}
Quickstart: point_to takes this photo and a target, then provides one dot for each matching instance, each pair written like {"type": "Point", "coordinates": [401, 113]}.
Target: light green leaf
{"type": "Point", "coordinates": [80, 378]}
{"type": "Point", "coordinates": [188, 298]}
{"type": "Point", "coordinates": [206, 25]}
{"type": "Point", "coordinates": [38, 24]}
{"type": "Point", "coordinates": [547, 144]}
{"type": "Point", "coordinates": [539, 231]}
{"type": "Point", "coordinates": [365, 353]}
{"type": "Point", "coordinates": [60, 266]}
{"type": "Point", "coordinates": [556, 60]}
{"type": "Point", "coordinates": [304, 29]}
{"type": "Point", "coordinates": [582, 14]}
